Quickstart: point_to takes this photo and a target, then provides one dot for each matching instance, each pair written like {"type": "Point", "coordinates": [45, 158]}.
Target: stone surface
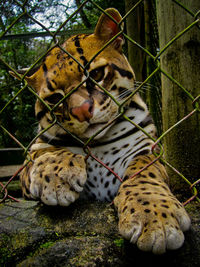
{"type": "Point", "coordinates": [84, 234]}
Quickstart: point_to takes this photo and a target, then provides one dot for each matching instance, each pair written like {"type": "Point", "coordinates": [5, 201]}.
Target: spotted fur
{"type": "Point", "coordinates": [149, 215]}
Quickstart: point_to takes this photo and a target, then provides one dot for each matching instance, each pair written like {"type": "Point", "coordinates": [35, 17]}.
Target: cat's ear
{"type": "Point", "coordinates": [30, 77]}
{"type": "Point", "coordinates": [107, 28]}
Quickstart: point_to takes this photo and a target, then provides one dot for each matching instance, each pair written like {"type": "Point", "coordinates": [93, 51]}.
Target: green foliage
{"type": "Point", "coordinates": [18, 117]}
{"type": "Point", "coordinates": [92, 12]}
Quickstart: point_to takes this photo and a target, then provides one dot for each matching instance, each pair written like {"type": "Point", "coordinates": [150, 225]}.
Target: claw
{"type": "Point", "coordinates": [136, 232]}
{"type": "Point", "coordinates": [153, 241]}
{"type": "Point", "coordinates": [184, 221]}
{"type": "Point", "coordinates": [174, 238]}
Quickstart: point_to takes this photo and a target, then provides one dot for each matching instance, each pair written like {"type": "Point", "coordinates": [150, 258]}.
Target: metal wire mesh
{"type": "Point", "coordinates": [86, 145]}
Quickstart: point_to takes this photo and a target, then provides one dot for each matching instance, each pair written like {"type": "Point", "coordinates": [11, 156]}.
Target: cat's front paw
{"type": "Point", "coordinates": [154, 220]}
{"type": "Point", "coordinates": [57, 178]}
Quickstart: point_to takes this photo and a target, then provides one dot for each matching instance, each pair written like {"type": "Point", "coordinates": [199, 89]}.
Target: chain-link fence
{"type": "Point", "coordinates": [55, 42]}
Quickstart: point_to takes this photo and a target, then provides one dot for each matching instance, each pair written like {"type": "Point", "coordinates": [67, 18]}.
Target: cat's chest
{"type": "Point", "coordinates": [102, 165]}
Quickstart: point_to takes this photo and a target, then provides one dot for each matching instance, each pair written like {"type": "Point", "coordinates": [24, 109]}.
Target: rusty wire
{"type": "Point", "coordinates": [86, 145]}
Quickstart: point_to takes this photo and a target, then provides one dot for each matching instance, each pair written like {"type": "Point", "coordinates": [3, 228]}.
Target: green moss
{"type": "Point", "coordinates": [47, 244]}
{"type": "Point", "coordinates": [119, 242]}
{"type": "Point", "coordinates": [5, 251]}
{"type": "Point", "coordinates": [20, 240]}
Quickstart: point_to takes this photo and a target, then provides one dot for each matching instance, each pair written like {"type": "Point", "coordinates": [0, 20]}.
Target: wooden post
{"type": "Point", "coordinates": [135, 30]}
{"type": "Point", "coordinates": [181, 60]}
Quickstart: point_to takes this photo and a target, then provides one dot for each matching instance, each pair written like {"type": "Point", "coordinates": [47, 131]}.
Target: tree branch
{"type": "Point", "coordinates": [83, 15]}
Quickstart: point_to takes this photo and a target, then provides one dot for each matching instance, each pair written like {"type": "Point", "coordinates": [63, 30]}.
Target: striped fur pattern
{"type": "Point", "coordinates": [149, 215]}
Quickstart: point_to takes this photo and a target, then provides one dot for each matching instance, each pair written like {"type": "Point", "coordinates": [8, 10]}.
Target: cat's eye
{"type": "Point", "coordinates": [97, 74]}
{"type": "Point", "coordinates": [54, 98]}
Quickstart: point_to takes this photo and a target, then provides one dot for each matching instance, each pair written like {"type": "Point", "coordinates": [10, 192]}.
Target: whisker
{"type": "Point", "coordinates": [50, 139]}
{"type": "Point", "coordinates": [126, 92]}
{"type": "Point", "coordinates": [145, 89]}
{"type": "Point", "coordinates": [148, 84]}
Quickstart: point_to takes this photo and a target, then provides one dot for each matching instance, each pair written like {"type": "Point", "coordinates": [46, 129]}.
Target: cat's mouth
{"type": "Point", "coordinates": [97, 130]}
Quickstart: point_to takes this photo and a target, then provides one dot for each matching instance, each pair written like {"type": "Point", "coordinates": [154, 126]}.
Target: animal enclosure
{"type": "Point", "coordinates": [19, 102]}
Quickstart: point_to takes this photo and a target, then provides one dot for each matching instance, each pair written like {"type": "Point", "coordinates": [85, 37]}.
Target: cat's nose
{"type": "Point", "coordinates": [83, 112]}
